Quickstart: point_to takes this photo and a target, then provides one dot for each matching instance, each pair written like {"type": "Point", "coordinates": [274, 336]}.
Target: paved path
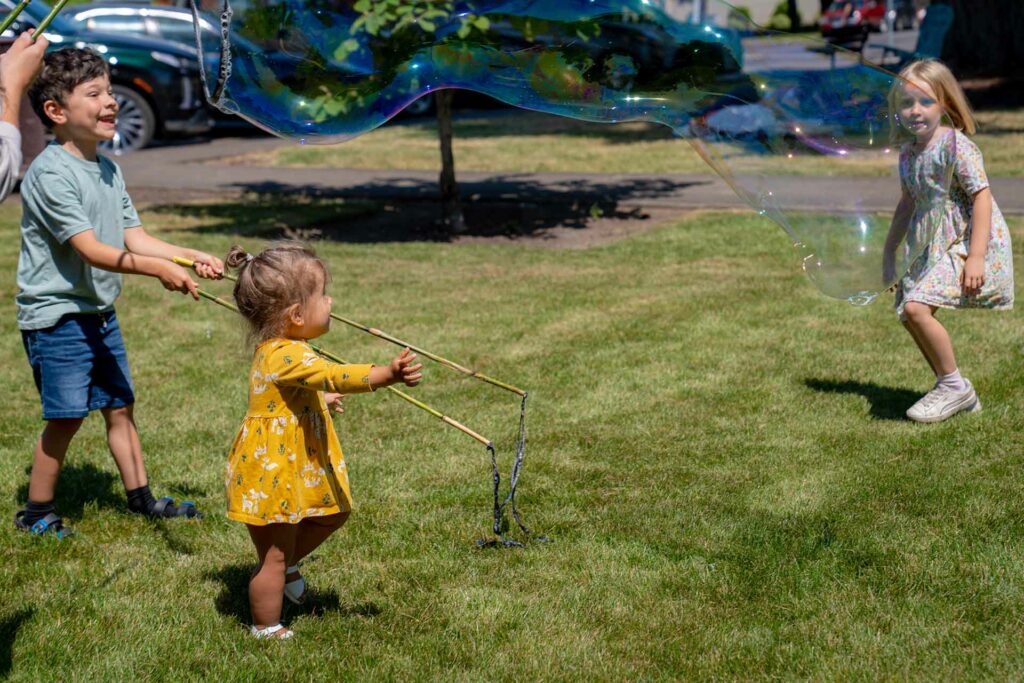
{"type": "Point", "coordinates": [193, 170]}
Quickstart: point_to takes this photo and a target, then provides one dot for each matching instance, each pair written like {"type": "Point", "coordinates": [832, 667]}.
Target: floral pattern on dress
{"type": "Point", "coordinates": [286, 462]}
{"type": "Point", "coordinates": [943, 217]}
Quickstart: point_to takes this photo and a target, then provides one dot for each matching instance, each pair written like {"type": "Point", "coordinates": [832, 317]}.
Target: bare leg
{"type": "Point", "coordinates": [920, 345]}
{"type": "Point", "coordinates": [932, 337]}
{"type": "Point", "coordinates": [48, 457]}
{"type": "Point", "coordinates": [313, 531]}
{"type": "Point", "coordinates": [275, 543]}
{"type": "Point", "coordinates": [123, 440]}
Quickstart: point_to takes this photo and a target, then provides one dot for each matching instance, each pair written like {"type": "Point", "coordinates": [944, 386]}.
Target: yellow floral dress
{"type": "Point", "coordinates": [286, 462]}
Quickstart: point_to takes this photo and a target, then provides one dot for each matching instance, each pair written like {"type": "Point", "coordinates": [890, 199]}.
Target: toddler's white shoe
{"type": "Point", "coordinates": [942, 403]}
{"type": "Point", "coordinates": [275, 632]}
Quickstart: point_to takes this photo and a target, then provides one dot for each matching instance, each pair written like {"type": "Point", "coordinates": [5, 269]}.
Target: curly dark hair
{"type": "Point", "coordinates": [62, 72]}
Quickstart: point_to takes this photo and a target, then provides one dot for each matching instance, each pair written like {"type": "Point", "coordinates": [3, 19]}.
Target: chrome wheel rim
{"type": "Point", "coordinates": [130, 128]}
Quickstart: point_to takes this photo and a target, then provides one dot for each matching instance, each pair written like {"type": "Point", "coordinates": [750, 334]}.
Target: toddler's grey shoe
{"type": "Point", "coordinates": [941, 404]}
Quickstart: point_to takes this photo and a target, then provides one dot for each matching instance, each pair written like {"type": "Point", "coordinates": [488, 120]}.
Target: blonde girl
{"type": "Point", "coordinates": [286, 478]}
{"type": "Point", "coordinates": [967, 262]}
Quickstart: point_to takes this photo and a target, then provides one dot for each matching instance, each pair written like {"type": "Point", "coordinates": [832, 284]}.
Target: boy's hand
{"type": "Point", "coordinates": [20, 64]}
{"type": "Point", "coordinates": [333, 402]}
{"type": "Point", "coordinates": [403, 371]}
{"type": "Point", "coordinates": [974, 275]}
{"type": "Point", "coordinates": [207, 266]}
{"type": "Point", "coordinates": [174, 278]}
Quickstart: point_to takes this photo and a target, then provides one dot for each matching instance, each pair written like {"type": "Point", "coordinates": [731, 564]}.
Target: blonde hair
{"type": "Point", "coordinates": [943, 83]}
{"type": "Point", "coordinates": [271, 282]}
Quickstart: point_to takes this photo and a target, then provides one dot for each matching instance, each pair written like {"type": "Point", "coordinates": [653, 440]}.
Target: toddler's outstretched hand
{"type": "Point", "coordinates": [403, 371]}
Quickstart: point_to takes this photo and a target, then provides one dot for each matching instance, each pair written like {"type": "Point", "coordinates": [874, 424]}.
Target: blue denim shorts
{"type": "Point", "coordinates": [79, 365]}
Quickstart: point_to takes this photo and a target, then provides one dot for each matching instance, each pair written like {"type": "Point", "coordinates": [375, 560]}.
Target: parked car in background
{"type": "Point", "coordinates": [155, 82]}
{"type": "Point", "coordinates": [850, 21]}
{"type": "Point", "coordinates": [163, 22]}
{"type": "Point", "coordinates": [168, 22]}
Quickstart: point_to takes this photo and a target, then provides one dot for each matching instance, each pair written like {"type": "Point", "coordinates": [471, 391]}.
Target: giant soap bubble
{"type": "Point", "coordinates": [765, 111]}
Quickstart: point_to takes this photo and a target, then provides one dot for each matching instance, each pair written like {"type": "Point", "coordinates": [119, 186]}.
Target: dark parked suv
{"type": "Point", "coordinates": [156, 82]}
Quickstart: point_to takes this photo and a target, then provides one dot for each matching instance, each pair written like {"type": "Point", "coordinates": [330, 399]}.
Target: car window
{"type": "Point", "coordinates": [178, 30]}
{"type": "Point", "coordinates": [120, 24]}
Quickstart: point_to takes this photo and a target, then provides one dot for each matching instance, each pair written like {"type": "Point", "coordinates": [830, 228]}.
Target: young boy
{"type": "Point", "coordinates": [79, 232]}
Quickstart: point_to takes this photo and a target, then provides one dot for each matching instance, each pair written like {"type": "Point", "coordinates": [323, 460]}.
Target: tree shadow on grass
{"type": "Point", "coordinates": [233, 599]}
{"type": "Point", "coordinates": [887, 403]}
{"type": "Point", "coordinates": [8, 634]}
{"type": "Point", "coordinates": [80, 485]}
{"type": "Point", "coordinates": [409, 209]}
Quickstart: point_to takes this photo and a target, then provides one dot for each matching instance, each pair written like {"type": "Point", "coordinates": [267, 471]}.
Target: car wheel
{"type": "Point", "coordinates": [136, 122]}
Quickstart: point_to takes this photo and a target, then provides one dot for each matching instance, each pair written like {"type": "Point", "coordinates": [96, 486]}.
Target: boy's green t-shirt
{"type": "Point", "coordinates": [62, 196]}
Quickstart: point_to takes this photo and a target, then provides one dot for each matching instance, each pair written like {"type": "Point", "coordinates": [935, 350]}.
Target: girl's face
{"type": "Point", "coordinates": [312, 319]}
{"type": "Point", "coordinates": [919, 111]}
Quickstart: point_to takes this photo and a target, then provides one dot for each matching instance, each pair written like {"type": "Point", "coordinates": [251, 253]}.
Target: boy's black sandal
{"type": "Point", "coordinates": [165, 508]}
{"type": "Point", "coordinates": [50, 524]}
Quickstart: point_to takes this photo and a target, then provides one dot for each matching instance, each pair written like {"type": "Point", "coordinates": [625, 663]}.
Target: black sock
{"type": "Point", "coordinates": [141, 500]}
{"type": "Point", "coordinates": [36, 511]}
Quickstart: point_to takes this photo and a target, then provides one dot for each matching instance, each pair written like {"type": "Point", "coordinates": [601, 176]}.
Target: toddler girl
{"type": "Point", "coordinates": [286, 478]}
{"type": "Point", "coordinates": [946, 199]}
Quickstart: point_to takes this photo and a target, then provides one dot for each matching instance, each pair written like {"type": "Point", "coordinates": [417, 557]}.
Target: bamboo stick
{"type": "Point", "coordinates": [49, 17]}
{"type": "Point", "coordinates": [9, 19]}
{"type": "Point", "coordinates": [394, 340]}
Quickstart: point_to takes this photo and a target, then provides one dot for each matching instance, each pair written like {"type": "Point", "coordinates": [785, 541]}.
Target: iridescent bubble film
{"type": "Point", "coordinates": [764, 110]}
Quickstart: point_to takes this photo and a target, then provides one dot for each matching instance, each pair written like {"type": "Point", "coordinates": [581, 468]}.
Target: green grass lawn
{"type": "Point", "coordinates": [717, 451]}
{"type": "Point", "coordinates": [534, 143]}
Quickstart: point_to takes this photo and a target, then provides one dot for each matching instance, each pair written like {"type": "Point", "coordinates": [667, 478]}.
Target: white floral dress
{"type": "Point", "coordinates": [942, 215]}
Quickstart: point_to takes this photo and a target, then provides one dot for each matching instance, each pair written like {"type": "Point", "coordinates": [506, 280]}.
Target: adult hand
{"type": "Point", "coordinates": [20, 64]}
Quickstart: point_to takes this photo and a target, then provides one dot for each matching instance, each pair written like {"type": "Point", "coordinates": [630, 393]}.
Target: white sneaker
{"type": "Point", "coordinates": [941, 403]}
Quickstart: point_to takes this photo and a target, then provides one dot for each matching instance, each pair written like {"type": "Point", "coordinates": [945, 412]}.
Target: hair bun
{"type": "Point", "coordinates": [237, 257]}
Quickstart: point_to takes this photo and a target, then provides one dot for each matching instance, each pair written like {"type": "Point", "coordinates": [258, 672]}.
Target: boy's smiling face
{"type": "Point", "coordinates": [89, 112]}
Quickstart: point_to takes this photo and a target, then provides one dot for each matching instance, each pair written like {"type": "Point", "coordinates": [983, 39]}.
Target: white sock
{"type": "Point", "coordinates": [952, 381]}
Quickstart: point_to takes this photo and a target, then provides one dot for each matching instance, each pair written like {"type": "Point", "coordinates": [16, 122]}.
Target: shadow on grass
{"type": "Point", "coordinates": [233, 600]}
{"type": "Point", "coordinates": [80, 485]}
{"type": "Point", "coordinates": [409, 209]}
{"type": "Point", "coordinates": [8, 634]}
{"type": "Point", "coordinates": [887, 403]}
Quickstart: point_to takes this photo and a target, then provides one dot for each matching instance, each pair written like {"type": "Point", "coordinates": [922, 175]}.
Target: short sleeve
{"type": "Point", "coordinates": [969, 168]}
{"type": "Point", "coordinates": [295, 364]}
{"type": "Point", "coordinates": [57, 203]}
{"type": "Point", "coordinates": [128, 213]}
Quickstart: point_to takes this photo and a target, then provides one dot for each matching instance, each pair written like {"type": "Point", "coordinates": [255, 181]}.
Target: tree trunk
{"type": "Point", "coordinates": [794, 15]}
{"type": "Point", "coordinates": [451, 207]}
{"type": "Point", "coordinates": [985, 39]}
